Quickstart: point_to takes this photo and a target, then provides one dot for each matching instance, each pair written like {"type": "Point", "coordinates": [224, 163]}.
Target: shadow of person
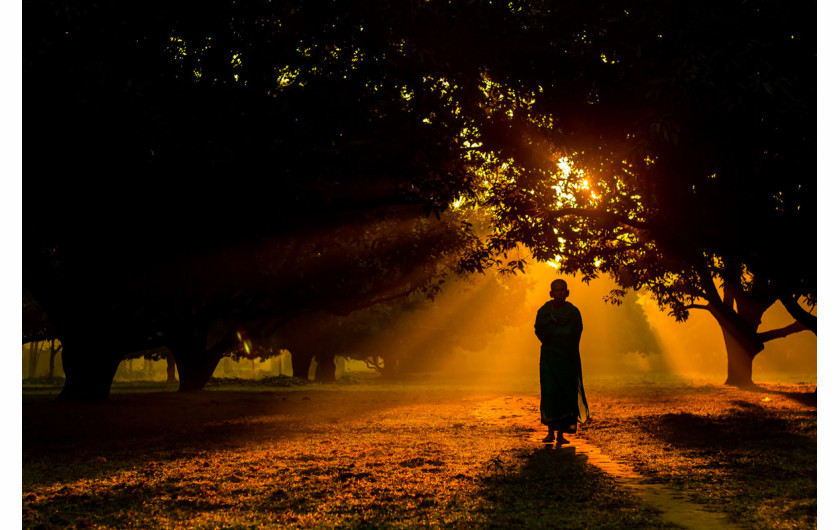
{"type": "Point", "coordinates": [565, 450]}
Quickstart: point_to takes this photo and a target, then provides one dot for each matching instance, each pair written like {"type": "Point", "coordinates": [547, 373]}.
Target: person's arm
{"type": "Point", "coordinates": [544, 325]}
{"type": "Point", "coordinates": [578, 325]}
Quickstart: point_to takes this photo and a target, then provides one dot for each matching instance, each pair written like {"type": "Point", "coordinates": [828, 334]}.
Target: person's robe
{"type": "Point", "coordinates": [562, 399]}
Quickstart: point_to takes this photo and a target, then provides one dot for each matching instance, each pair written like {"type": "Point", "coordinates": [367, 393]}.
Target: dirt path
{"type": "Point", "coordinates": [673, 506]}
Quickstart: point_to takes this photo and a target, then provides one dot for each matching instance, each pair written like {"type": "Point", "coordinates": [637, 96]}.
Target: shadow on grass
{"type": "Point", "coordinates": [744, 425]}
{"type": "Point", "coordinates": [809, 399]}
{"type": "Point", "coordinates": [65, 441]}
{"type": "Point", "coordinates": [558, 489]}
{"type": "Point", "coordinates": [763, 458]}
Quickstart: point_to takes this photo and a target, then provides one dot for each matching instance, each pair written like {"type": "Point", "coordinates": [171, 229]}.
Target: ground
{"type": "Point", "coordinates": [422, 452]}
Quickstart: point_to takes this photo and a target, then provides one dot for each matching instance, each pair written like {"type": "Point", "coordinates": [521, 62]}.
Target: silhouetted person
{"type": "Point", "coordinates": [562, 399]}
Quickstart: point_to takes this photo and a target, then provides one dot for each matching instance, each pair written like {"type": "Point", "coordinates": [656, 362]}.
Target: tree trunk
{"type": "Point", "coordinates": [300, 364]}
{"type": "Point", "coordinates": [34, 350]}
{"type": "Point", "coordinates": [391, 366]}
{"type": "Point", "coordinates": [740, 331]}
{"type": "Point", "coordinates": [196, 363]}
{"type": "Point", "coordinates": [325, 368]}
{"type": "Point", "coordinates": [170, 368]}
{"type": "Point", "coordinates": [739, 360]}
{"type": "Point", "coordinates": [340, 363]}
{"type": "Point", "coordinates": [53, 352]}
{"type": "Point", "coordinates": [88, 371]}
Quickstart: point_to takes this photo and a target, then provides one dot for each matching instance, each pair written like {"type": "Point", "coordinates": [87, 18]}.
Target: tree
{"type": "Point", "coordinates": [195, 95]}
{"type": "Point", "coordinates": [675, 153]}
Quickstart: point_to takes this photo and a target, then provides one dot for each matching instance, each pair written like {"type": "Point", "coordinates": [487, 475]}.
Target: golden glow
{"type": "Point", "coordinates": [565, 166]}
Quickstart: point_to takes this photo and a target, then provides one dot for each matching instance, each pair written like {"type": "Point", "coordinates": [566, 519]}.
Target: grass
{"type": "Point", "coordinates": [406, 455]}
{"type": "Point", "coordinates": [749, 453]}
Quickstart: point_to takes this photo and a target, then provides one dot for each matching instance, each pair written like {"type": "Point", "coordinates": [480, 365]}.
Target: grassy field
{"type": "Point", "coordinates": [749, 453]}
{"type": "Point", "coordinates": [415, 454]}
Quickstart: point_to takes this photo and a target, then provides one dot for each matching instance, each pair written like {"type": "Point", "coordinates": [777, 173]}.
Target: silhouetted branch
{"type": "Point", "coordinates": [796, 311]}
{"type": "Point", "coordinates": [790, 329]}
{"type": "Point", "coordinates": [373, 363]}
{"type": "Point", "coordinates": [620, 249]}
{"type": "Point", "coordinates": [598, 214]}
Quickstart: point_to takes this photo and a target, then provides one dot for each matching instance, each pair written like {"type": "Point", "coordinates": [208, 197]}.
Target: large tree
{"type": "Point", "coordinates": [672, 147]}
{"type": "Point", "coordinates": [200, 157]}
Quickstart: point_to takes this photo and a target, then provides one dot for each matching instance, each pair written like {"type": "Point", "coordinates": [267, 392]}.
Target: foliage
{"type": "Point", "coordinates": [706, 163]}
{"type": "Point", "coordinates": [234, 203]}
{"type": "Point", "coordinates": [670, 146]}
{"type": "Point", "coordinates": [231, 184]}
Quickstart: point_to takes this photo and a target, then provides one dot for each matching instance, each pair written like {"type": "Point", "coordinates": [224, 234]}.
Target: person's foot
{"type": "Point", "coordinates": [548, 439]}
{"type": "Point", "coordinates": [562, 440]}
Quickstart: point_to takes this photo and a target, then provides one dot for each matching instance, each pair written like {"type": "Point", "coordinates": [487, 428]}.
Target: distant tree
{"type": "Point", "coordinates": [414, 334]}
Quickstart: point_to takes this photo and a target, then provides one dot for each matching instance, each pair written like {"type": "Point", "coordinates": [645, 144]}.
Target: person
{"type": "Point", "coordinates": [562, 398]}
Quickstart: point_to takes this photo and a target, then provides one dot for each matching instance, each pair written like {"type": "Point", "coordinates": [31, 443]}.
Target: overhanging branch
{"type": "Point", "coordinates": [796, 311]}
{"type": "Point", "coordinates": [790, 329]}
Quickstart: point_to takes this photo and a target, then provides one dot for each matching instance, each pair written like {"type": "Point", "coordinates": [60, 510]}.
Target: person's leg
{"type": "Point", "coordinates": [550, 437]}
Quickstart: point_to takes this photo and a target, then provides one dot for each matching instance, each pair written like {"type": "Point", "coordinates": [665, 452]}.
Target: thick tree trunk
{"type": "Point", "coordinates": [195, 370]}
{"type": "Point", "coordinates": [739, 360]}
{"type": "Point", "coordinates": [88, 372]}
{"type": "Point", "coordinates": [170, 368]}
{"type": "Point", "coordinates": [196, 363]}
{"type": "Point", "coordinates": [740, 331]}
{"type": "Point", "coordinates": [325, 368]}
{"type": "Point", "coordinates": [300, 364]}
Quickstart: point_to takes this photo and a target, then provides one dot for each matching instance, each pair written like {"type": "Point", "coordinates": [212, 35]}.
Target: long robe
{"type": "Point", "coordinates": [562, 398]}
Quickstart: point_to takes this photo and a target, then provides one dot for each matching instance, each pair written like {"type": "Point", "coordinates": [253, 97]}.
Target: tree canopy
{"type": "Point", "coordinates": [259, 159]}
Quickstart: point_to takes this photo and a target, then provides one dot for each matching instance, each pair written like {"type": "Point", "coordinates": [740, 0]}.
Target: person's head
{"type": "Point", "coordinates": [559, 290]}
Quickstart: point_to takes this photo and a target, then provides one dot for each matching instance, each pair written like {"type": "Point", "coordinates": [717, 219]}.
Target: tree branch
{"type": "Point", "coordinates": [790, 329]}
{"type": "Point", "coordinates": [373, 363]}
{"type": "Point", "coordinates": [796, 311]}
{"type": "Point", "coordinates": [622, 248]}
{"type": "Point", "coordinates": [598, 214]}
{"type": "Point", "coordinates": [698, 306]}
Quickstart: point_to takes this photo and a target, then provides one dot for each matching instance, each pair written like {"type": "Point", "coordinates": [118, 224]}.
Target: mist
{"type": "Point", "coordinates": [634, 340]}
